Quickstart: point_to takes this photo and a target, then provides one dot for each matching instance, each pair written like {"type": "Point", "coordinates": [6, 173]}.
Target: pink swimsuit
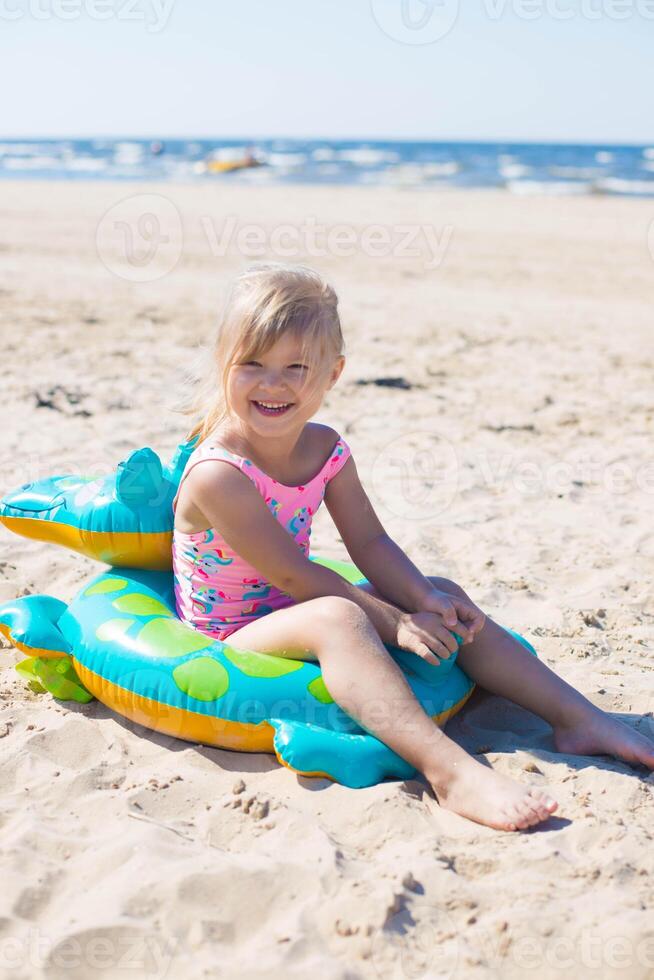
{"type": "Point", "coordinates": [217, 592]}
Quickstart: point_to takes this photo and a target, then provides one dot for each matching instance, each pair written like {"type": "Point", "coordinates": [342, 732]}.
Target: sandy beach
{"type": "Point", "coordinates": [512, 453]}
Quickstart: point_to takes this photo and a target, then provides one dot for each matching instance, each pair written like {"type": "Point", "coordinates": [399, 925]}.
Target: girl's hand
{"type": "Point", "coordinates": [425, 634]}
{"type": "Point", "coordinates": [454, 609]}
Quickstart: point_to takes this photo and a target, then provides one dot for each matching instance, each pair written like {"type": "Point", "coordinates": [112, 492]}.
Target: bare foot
{"type": "Point", "coordinates": [596, 733]}
{"type": "Point", "coordinates": [489, 798]}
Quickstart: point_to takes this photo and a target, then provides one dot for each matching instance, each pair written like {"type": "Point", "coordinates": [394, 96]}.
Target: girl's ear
{"type": "Point", "coordinates": [337, 370]}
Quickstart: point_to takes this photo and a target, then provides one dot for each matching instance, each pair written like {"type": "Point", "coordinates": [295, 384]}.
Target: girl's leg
{"type": "Point", "coordinates": [499, 663]}
{"type": "Point", "coordinates": [366, 682]}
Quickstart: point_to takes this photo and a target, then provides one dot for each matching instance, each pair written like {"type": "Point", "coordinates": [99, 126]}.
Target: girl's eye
{"type": "Point", "coordinates": [302, 367]}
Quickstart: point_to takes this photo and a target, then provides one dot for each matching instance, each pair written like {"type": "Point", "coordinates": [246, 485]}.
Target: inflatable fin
{"type": "Point", "coordinates": [139, 478]}
{"type": "Point", "coordinates": [31, 624]}
{"type": "Point", "coordinates": [352, 760]}
{"type": "Point", "coordinates": [121, 518]}
{"type": "Point", "coordinates": [58, 677]}
{"type": "Point", "coordinates": [175, 468]}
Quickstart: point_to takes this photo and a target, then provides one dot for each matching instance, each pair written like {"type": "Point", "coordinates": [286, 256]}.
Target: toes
{"type": "Point", "coordinates": [509, 818]}
{"type": "Point", "coordinates": [543, 812]}
{"type": "Point", "coordinates": [535, 808]}
{"type": "Point", "coordinates": [543, 799]}
{"type": "Point", "coordinates": [530, 812]}
{"type": "Point", "coordinates": [543, 803]}
{"type": "Point", "coordinates": [522, 815]}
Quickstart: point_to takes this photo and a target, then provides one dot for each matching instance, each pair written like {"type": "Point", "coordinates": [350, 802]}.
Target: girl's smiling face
{"type": "Point", "coordinates": [279, 391]}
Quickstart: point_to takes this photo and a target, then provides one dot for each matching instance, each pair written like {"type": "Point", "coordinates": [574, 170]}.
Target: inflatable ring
{"type": "Point", "coordinates": [120, 639]}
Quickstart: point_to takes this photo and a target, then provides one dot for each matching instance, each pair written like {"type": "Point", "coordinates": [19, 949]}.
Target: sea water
{"type": "Point", "coordinates": [520, 168]}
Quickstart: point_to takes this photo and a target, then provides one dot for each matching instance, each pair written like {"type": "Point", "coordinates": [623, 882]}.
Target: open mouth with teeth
{"type": "Point", "coordinates": [272, 408]}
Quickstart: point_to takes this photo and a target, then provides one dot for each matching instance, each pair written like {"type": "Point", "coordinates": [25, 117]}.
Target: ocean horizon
{"type": "Point", "coordinates": [520, 168]}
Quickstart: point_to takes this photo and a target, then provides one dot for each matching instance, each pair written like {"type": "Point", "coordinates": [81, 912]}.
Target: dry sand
{"type": "Point", "coordinates": [529, 351]}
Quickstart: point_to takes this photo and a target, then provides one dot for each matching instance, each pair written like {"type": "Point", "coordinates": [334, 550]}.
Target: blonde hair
{"type": "Point", "coordinates": [265, 302]}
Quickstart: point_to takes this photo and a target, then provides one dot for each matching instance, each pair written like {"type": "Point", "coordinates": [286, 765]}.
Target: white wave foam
{"type": "Point", "coordinates": [619, 185]}
{"type": "Point", "coordinates": [32, 163]}
{"type": "Point", "coordinates": [552, 188]}
{"type": "Point", "coordinates": [604, 156]}
{"type": "Point", "coordinates": [128, 153]}
{"type": "Point", "coordinates": [286, 159]}
{"type": "Point", "coordinates": [513, 170]}
{"type": "Point", "coordinates": [412, 174]}
{"type": "Point", "coordinates": [583, 173]}
{"type": "Point", "coordinates": [228, 154]}
{"type": "Point", "coordinates": [445, 169]}
{"type": "Point", "coordinates": [27, 149]}
{"type": "Point", "coordinates": [405, 175]}
{"type": "Point", "coordinates": [368, 158]}
{"type": "Point", "coordinates": [85, 164]}
{"type": "Point", "coordinates": [648, 153]}
{"type": "Point", "coordinates": [324, 153]}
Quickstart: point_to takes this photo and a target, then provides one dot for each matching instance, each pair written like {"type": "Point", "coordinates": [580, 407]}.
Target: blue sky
{"type": "Point", "coordinates": [574, 71]}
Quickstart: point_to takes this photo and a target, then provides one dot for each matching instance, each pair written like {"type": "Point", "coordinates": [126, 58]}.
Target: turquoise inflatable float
{"type": "Point", "coordinates": [121, 641]}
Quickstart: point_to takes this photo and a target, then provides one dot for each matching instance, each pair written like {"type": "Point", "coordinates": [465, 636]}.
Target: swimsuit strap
{"type": "Point", "coordinates": [203, 452]}
{"type": "Point", "coordinates": [337, 458]}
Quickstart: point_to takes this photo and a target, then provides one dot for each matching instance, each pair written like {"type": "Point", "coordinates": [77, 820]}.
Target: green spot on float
{"type": "Point", "coordinates": [171, 638]}
{"type": "Point", "coordinates": [202, 678]}
{"type": "Point", "coordinates": [139, 604]}
{"type": "Point", "coordinates": [106, 585]}
{"type": "Point", "coordinates": [260, 664]}
{"type": "Point", "coordinates": [319, 691]}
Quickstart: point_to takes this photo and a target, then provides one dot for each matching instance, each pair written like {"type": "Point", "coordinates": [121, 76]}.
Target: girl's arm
{"type": "Point", "coordinates": [381, 560]}
{"type": "Point", "coordinates": [233, 505]}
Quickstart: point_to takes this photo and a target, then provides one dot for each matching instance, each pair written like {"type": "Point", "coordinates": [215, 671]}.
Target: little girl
{"type": "Point", "coordinates": [242, 569]}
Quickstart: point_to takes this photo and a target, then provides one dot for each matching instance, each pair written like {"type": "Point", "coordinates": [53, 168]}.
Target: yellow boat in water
{"type": "Point", "coordinates": [227, 166]}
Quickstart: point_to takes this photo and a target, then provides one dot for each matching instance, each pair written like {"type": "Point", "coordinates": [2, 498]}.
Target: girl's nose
{"type": "Point", "coordinates": [272, 380]}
